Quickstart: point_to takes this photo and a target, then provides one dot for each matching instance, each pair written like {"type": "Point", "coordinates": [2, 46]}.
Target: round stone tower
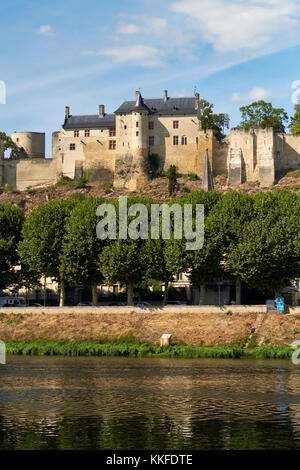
{"type": "Point", "coordinates": [31, 143]}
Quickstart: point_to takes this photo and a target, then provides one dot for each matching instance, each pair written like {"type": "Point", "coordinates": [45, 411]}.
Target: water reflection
{"type": "Point", "coordinates": [95, 403]}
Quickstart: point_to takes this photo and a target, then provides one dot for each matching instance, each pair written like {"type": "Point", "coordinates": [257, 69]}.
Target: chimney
{"type": "Point", "coordinates": [101, 110]}
{"type": "Point", "coordinates": [197, 99]}
{"type": "Point", "coordinates": [165, 95]}
{"type": "Point", "coordinates": [67, 112]}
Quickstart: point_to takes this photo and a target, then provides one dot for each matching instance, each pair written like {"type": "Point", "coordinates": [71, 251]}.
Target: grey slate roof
{"type": "Point", "coordinates": [90, 121]}
{"type": "Point", "coordinates": [172, 106]}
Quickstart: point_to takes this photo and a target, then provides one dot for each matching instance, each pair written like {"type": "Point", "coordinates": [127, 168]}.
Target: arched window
{"type": "Point", "coordinates": [184, 140]}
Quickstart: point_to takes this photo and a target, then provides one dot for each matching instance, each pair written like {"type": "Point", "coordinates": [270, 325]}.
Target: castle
{"type": "Point", "coordinates": [116, 147]}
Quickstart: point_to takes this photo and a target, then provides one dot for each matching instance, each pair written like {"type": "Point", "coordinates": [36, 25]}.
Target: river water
{"type": "Point", "coordinates": [119, 403]}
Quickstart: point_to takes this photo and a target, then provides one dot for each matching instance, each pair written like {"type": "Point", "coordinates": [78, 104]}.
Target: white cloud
{"type": "Point", "coordinates": [45, 29]}
{"type": "Point", "coordinates": [129, 29]}
{"type": "Point", "coordinates": [232, 25]}
{"type": "Point", "coordinates": [256, 94]}
{"type": "Point", "coordinates": [144, 24]}
{"type": "Point", "coordinates": [144, 56]}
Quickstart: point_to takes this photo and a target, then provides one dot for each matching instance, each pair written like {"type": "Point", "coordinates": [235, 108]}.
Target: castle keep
{"type": "Point", "coordinates": [116, 147]}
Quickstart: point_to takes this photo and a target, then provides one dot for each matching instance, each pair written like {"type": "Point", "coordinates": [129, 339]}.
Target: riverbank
{"type": "Point", "coordinates": [130, 347]}
{"type": "Point", "coordinates": [195, 326]}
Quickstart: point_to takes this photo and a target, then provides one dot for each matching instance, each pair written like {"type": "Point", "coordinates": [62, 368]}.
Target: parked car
{"type": "Point", "coordinates": [85, 304]}
{"type": "Point", "coordinates": [34, 304]}
{"type": "Point", "coordinates": [175, 303]}
{"type": "Point", "coordinates": [141, 304]}
{"type": "Point", "coordinates": [12, 302]}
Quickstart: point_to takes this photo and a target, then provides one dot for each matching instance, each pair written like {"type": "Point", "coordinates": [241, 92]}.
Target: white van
{"type": "Point", "coordinates": [12, 302]}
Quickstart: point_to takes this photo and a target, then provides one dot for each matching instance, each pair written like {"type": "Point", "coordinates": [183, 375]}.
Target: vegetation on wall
{"type": "Point", "coordinates": [295, 120]}
{"type": "Point", "coordinates": [218, 123]}
{"type": "Point", "coordinates": [8, 142]}
{"type": "Point", "coordinates": [264, 115]}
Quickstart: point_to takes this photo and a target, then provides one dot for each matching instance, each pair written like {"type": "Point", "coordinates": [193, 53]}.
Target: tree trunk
{"type": "Point", "coordinates": [238, 288]}
{"type": "Point", "coordinates": [45, 279]}
{"type": "Point", "coordinates": [202, 294]}
{"type": "Point", "coordinates": [130, 293]}
{"type": "Point", "coordinates": [95, 294]}
{"type": "Point", "coordinates": [166, 293]}
{"type": "Point", "coordinates": [62, 296]}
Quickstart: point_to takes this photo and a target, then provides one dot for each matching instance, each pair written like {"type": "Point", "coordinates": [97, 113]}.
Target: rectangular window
{"type": "Point", "coordinates": [112, 132]}
{"type": "Point", "coordinates": [112, 145]}
{"type": "Point", "coordinates": [137, 124]}
{"type": "Point", "coordinates": [72, 146]}
{"type": "Point", "coordinates": [137, 134]}
{"type": "Point", "coordinates": [175, 124]}
{"type": "Point", "coordinates": [151, 140]}
{"type": "Point", "coordinates": [175, 140]}
{"type": "Point", "coordinates": [184, 140]}
{"type": "Point", "coordinates": [87, 133]}
{"type": "Point", "coordinates": [151, 126]}
{"type": "Point", "coordinates": [76, 133]}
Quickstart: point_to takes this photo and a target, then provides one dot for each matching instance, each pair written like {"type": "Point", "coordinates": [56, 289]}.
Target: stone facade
{"type": "Point", "coordinates": [116, 147]}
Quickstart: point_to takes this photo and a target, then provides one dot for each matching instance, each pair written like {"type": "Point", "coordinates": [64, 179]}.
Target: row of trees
{"type": "Point", "coordinates": [253, 239]}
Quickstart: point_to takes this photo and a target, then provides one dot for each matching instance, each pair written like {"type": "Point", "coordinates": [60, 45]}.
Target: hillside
{"type": "Point", "coordinates": [156, 188]}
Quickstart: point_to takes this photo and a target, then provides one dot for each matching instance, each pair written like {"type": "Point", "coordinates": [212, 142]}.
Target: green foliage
{"type": "Point", "coordinates": [82, 182]}
{"type": "Point", "coordinates": [193, 177]}
{"type": "Point", "coordinates": [216, 122]}
{"type": "Point", "coordinates": [43, 233]}
{"type": "Point", "coordinates": [130, 347]}
{"type": "Point", "coordinates": [11, 221]}
{"type": "Point", "coordinates": [108, 187]}
{"type": "Point", "coordinates": [293, 174]}
{"type": "Point", "coordinates": [263, 115]}
{"type": "Point", "coordinates": [8, 142]}
{"type": "Point", "coordinates": [81, 247]}
{"type": "Point", "coordinates": [172, 175]}
{"type": "Point", "coordinates": [154, 160]}
{"type": "Point", "coordinates": [295, 120]}
{"type": "Point", "coordinates": [65, 181]}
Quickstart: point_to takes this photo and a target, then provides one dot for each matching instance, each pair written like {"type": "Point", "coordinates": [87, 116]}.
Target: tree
{"type": "Point", "coordinates": [82, 247]}
{"type": "Point", "coordinates": [172, 175]}
{"type": "Point", "coordinates": [43, 234]}
{"type": "Point", "coordinates": [128, 260]}
{"type": "Point", "coordinates": [295, 120]}
{"type": "Point", "coordinates": [264, 115]}
{"type": "Point", "coordinates": [216, 122]}
{"type": "Point", "coordinates": [204, 264]}
{"type": "Point", "coordinates": [268, 253]}
{"type": "Point", "coordinates": [11, 221]}
{"type": "Point", "coordinates": [231, 215]}
{"type": "Point", "coordinates": [8, 142]}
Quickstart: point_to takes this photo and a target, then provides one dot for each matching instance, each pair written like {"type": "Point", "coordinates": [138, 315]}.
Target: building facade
{"type": "Point", "coordinates": [116, 147]}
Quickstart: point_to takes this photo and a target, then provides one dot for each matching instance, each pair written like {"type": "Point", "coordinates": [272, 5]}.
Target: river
{"type": "Point", "coordinates": [119, 403]}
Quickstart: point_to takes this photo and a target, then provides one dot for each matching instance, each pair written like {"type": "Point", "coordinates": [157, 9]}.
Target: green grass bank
{"type": "Point", "coordinates": [130, 347]}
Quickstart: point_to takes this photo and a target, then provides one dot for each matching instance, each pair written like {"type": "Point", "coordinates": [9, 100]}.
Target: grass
{"type": "Point", "coordinates": [294, 174]}
{"type": "Point", "coordinates": [130, 347]}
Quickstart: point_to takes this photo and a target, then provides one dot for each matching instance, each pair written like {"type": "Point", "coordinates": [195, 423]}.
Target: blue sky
{"type": "Point", "coordinates": [82, 54]}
